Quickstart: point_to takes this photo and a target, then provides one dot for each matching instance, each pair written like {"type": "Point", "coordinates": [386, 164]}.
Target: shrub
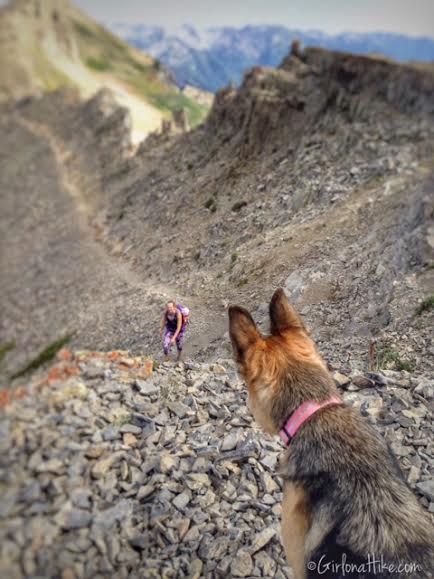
{"type": "Point", "coordinates": [426, 305]}
{"type": "Point", "coordinates": [238, 205]}
{"type": "Point", "coordinates": [5, 348]}
{"type": "Point", "coordinates": [390, 359]}
{"type": "Point", "coordinates": [211, 204]}
{"type": "Point", "coordinates": [98, 64]}
{"type": "Point", "coordinates": [46, 355]}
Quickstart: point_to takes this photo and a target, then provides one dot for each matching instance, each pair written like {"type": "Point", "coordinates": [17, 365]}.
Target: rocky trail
{"type": "Point", "coordinates": [61, 279]}
{"type": "Point", "coordinates": [111, 469]}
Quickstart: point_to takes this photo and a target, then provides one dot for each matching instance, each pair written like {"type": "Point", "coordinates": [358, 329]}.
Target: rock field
{"type": "Point", "coordinates": [110, 468]}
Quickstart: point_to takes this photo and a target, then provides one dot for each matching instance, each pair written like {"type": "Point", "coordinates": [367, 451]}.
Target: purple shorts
{"type": "Point", "coordinates": [168, 335]}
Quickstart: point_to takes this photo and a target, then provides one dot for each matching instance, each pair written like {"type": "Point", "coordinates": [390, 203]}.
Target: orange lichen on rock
{"type": "Point", "coordinates": [5, 397]}
{"type": "Point", "coordinates": [64, 354]}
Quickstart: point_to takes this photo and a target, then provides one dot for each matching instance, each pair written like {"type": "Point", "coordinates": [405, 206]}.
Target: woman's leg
{"type": "Point", "coordinates": [180, 342]}
{"type": "Point", "coordinates": [166, 343]}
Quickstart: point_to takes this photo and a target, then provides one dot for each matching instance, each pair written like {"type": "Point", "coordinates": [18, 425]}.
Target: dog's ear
{"type": "Point", "coordinates": [242, 330]}
{"type": "Point", "coordinates": [282, 314]}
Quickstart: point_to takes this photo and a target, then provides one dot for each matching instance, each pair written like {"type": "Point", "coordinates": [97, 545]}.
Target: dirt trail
{"type": "Point", "coordinates": [56, 276]}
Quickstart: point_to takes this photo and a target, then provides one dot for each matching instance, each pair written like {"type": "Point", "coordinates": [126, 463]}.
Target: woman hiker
{"type": "Point", "coordinates": [173, 328]}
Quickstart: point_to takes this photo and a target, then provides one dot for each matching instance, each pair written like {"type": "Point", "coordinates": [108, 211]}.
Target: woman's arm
{"type": "Point", "coordinates": [179, 324]}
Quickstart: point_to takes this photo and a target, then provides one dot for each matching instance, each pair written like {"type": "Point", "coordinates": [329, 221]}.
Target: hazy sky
{"type": "Point", "coordinates": [415, 17]}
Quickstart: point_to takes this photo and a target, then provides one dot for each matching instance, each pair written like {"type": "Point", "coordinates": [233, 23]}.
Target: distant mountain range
{"type": "Point", "coordinates": [216, 57]}
{"type": "Point", "coordinates": [51, 45]}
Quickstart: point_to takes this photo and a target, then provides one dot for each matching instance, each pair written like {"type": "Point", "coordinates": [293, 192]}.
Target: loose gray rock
{"type": "Point", "coordinates": [242, 565]}
{"type": "Point", "coordinates": [111, 433]}
{"type": "Point", "coordinates": [130, 428]}
{"type": "Point", "coordinates": [182, 500]}
{"type": "Point", "coordinates": [262, 539]}
{"type": "Point", "coordinates": [427, 489]}
{"type": "Point", "coordinates": [102, 466]}
{"type": "Point", "coordinates": [74, 518]}
{"type": "Point", "coordinates": [148, 387]}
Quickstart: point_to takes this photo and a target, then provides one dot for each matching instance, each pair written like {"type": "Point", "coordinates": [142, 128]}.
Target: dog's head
{"type": "Point", "coordinates": [278, 368]}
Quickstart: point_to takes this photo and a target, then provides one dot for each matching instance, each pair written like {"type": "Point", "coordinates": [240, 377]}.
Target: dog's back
{"type": "Point", "coordinates": [364, 521]}
{"type": "Point", "coordinates": [356, 496]}
{"type": "Point", "coordinates": [346, 510]}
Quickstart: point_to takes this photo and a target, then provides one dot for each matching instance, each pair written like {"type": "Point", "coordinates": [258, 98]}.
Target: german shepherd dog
{"type": "Point", "coordinates": [347, 511]}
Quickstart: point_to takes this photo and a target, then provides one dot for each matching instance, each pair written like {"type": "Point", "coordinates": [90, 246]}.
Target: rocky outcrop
{"type": "Point", "coordinates": [311, 93]}
{"type": "Point", "coordinates": [369, 80]}
{"type": "Point", "coordinates": [111, 468]}
{"type": "Point", "coordinates": [169, 129]}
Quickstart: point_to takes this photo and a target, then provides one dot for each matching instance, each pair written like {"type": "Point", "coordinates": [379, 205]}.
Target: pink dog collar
{"type": "Point", "coordinates": [299, 417]}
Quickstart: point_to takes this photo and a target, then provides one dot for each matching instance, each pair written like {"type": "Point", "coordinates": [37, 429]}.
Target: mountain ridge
{"type": "Point", "coordinates": [213, 58]}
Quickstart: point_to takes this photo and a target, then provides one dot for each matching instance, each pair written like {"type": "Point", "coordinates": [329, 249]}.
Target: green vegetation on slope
{"type": "Point", "coordinates": [43, 357]}
{"type": "Point", "coordinates": [98, 64]}
{"type": "Point", "coordinates": [168, 101]}
{"type": "Point", "coordinates": [425, 306]}
{"type": "Point", "coordinates": [103, 52]}
{"type": "Point", "coordinates": [5, 348]}
{"type": "Point", "coordinates": [387, 358]}
{"type": "Point", "coordinates": [57, 46]}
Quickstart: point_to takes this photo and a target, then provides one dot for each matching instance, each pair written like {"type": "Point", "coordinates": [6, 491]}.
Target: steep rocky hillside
{"type": "Point", "coordinates": [48, 44]}
{"type": "Point", "coordinates": [317, 176]}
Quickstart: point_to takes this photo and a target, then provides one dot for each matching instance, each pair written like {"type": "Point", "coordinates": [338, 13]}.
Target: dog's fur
{"type": "Point", "coordinates": [344, 495]}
